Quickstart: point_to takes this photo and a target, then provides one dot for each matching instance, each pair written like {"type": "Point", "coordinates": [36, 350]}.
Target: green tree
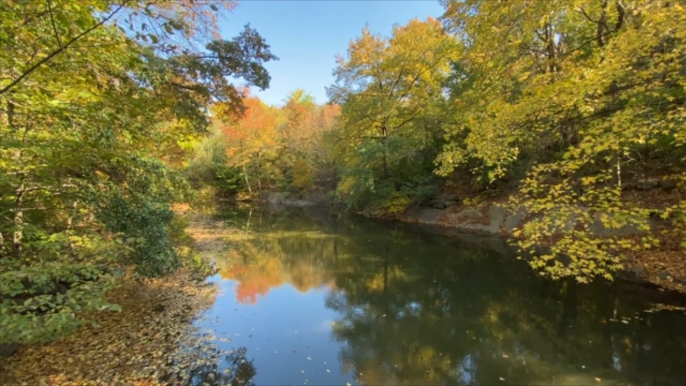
{"type": "Point", "coordinates": [97, 102]}
{"type": "Point", "coordinates": [580, 101]}
{"type": "Point", "coordinates": [391, 97]}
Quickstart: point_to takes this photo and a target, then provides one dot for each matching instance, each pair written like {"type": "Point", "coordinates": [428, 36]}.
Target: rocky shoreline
{"type": "Point", "coordinates": [496, 219]}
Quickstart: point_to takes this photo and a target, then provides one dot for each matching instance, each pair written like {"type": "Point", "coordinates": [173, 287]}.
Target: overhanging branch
{"type": "Point", "coordinates": [60, 50]}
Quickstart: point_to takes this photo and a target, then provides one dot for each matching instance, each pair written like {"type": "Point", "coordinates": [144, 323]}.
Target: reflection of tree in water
{"type": "Point", "coordinates": [235, 370]}
{"type": "Point", "coordinates": [428, 314]}
{"type": "Point", "coordinates": [273, 255]}
{"type": "Point", "coordinates": [445, 331]}
{"type": "Point", "coordinates": [418, 308]}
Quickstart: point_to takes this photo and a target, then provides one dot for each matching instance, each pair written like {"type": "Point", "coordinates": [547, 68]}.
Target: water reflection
{"type": "Point", "coordinates": [416, 307]}
{"type": "Point", "coordinates": [233, 368]}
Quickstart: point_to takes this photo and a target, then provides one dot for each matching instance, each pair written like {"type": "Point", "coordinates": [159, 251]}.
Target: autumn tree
{"type": "Point", "coordinates": [306, 150]}
{"type": "Point", "coordinates": [98, 100]}
{"type": "Point", "coordinates": [253, 143]}
{"type": "Point", "coordinates": [581, 101]}
{"type": "Point", "coordinates": [281, 148]}
{"type": "Point", "coordinates": [391, 96]}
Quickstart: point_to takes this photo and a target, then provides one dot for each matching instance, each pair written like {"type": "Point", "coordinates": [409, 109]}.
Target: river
{"type": "Point", "coordinates": [325, 298]}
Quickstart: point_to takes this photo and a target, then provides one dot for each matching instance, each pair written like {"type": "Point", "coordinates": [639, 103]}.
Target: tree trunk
{"type": "Point", "coordinates": [384, 135]}
{"type": "Point", "coordinates": [18, 222]}
{"type": "Point", "coordinates": [259, 173]}
{"type": "Point", "coordinates": [602, 28]}
{"type": "Point", "coordinates": [552, 51]}
{"type": "Point", "coordinates": [19, 193]}
{"type": "Point", "coordinates": [619, 172]}
{"type": "Point", "coordinates": [245, 174]}
{"type": "Point", "coordinates": [70, 223]}
{"type": "Point", "coordinates": [2, 244]}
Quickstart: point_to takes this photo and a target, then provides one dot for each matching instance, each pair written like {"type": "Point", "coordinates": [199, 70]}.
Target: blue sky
{"type": "Point", "coordinates": [307, 35]}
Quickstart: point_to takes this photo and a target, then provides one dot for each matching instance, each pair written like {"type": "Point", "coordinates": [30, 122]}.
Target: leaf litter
{"type": "Point", "coordinates": [143, 345]}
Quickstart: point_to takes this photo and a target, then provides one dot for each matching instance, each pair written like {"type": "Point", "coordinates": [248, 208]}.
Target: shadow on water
{"type": "Point", "coordinates": [405, 304]}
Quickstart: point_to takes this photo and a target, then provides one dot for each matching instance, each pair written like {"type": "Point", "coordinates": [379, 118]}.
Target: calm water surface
{"type": "Point", "coordinates": [319, 298]}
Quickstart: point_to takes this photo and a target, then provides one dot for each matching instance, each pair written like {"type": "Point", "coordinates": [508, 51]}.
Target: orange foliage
{"type": "Point", "coordinates": [278, 146]}
{"type": "Point", "coordinates": [264, 273]}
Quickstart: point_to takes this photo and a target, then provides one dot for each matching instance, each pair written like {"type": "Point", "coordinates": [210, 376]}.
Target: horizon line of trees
{"type": "Point", "coordinates": [576, 109]}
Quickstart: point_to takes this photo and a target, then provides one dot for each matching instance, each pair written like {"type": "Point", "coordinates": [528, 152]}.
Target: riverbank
{"type": "Point", "coordinates": [141, 345]}
{"type": "Point", "coordinates": [372, 292]}
{"type": "Point", "coordinates": [664, 267]}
